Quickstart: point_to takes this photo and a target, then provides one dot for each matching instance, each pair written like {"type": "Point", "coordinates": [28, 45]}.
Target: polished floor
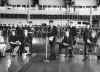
{"type": "Point", "coordinates": [35, 63]}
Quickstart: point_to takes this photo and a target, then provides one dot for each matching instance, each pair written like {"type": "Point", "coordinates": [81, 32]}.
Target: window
{"type": "Point", "coordinates": [23, 5]}
{"type": "Point", "coordinates": [79, 22]}
{"type": "Point", "coordinates": [18, 5]}
{"type": "Point", "coordinates": [87, 23]}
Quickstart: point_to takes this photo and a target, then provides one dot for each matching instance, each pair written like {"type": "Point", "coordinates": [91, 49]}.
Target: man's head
{"type": "Point", "coordinates": [51, 23]}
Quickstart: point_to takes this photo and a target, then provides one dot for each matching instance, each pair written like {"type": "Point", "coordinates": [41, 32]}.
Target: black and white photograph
{"type": "Point", "coordinates": [49, 35]}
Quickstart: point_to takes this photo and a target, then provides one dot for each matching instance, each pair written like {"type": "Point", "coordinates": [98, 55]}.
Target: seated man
{"type": "Point", "coordinates": [14, 43]}
{"type": "Point", "coordinates": [93, 40]}
{"type": "Point", "coordinates": [66, 43]}
{"type": "Point", "coordinates": [90, 39]}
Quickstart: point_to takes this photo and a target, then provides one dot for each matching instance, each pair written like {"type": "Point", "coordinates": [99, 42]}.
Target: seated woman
{"type": "Point", "coordinates": [98, 47]}
{"type": "Point", "coordinates": [27, 42]}
{"type": "Point", "coordinates": [93, 40]}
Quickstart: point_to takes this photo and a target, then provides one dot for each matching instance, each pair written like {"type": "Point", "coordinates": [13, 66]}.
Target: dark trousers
{"type": "Point", "coordinates": [87, 48]}
{"type": "Point", "coordinates": [63, 47]}
{"type": "Point", "coordinates": [20, 51]}
{"type": "Point", "coordinates": [52, 50]}
{"type": "Point", "coordinates": [98, 57]}
{"type": "Point", "coordinates": [71, 52]}
{"type": "Point", "coordinates": [68, 49]}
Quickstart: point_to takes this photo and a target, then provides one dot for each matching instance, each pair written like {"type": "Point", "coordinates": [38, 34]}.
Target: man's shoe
{"type": "Point", "coordinates": [52, 58]}
{"type": "Point", "coordinates": [85, 58]}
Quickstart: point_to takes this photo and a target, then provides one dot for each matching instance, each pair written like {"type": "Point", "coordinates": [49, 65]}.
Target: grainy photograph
{"type": "Point", "coordinates": [49, 35]}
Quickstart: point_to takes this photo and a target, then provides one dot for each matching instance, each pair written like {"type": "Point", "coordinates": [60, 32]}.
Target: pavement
{"type": "Point", "coordinates": [36, 63]}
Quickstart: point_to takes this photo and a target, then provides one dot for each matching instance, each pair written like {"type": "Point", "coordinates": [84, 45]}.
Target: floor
{"type": "Point", "coordinates": [70, 65]}
{"type": "Point", "coordinates": [35, 63]}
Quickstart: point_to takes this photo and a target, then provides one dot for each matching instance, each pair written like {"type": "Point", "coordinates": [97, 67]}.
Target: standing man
{"type": "Point", "coordinates": [73, 34]}
{"type": "Point", "coordinates": [52, 40]}
{"type": "Point", "coordinates": [86, 43]}
{"type": "Point", "coordinates": [20, 38]}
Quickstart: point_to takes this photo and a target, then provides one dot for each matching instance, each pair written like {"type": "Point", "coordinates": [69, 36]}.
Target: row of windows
{"type": "Point", "coordinates": [13, 16]}
{"type": "Point", "coordinates": [22, 5]}
{"type": "Point", "coordinates": [87, 23]}
{"type": "Point", "coordinates": [41, 6]}
{"type": "Point", "coordinates": [40, 16]}
{"type": "Point", "coordinates": [49, 6]}
{"type": "Point", "coordinates": [24, 16]}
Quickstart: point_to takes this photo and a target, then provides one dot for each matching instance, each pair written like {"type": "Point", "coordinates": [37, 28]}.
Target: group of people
{"type": "Point", "coordinates": [20, 40]}
{"type": "Point", "coordinates": [91, 42]}
{"type": "Point", "coordinates": [90, 37]}
{"type": "Point", "coordinates": [66, 43]}
{"type": "Point", "coordinates": [14, 40]}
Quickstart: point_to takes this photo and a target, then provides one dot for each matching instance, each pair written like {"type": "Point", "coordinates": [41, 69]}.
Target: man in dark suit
{"type": "Point", "coordinates": [86, 40]}
{"type": "Point", "coordinates": [20, 38]}
{"type": "Point", "coordinates": [52, 40]}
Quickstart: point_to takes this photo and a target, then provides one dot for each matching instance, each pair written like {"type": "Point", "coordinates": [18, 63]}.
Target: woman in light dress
{"type": "Point", "coordinates": [2, 43]}
{"type": "Point", "coordinates": [98, 47]}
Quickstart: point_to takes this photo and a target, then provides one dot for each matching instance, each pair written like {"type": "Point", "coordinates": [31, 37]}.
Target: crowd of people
{"type": "Point", "coordinates": [19, 39]}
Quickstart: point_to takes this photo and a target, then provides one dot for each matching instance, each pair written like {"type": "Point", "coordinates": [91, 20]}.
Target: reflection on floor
{"type": "Point", "coordinates": [35, 64]}
{"type": "Point", "coordinates": [13, 63]}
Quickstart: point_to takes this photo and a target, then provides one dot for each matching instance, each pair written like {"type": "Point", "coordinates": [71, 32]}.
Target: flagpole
{"type": "Point", "coordinates": [28, 12]}
{"type": "Point", "coordinates": [91, 17]}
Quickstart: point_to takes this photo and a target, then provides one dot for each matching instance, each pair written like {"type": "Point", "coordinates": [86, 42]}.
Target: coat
{"type": "Point", "coordinates": [98, 47]}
